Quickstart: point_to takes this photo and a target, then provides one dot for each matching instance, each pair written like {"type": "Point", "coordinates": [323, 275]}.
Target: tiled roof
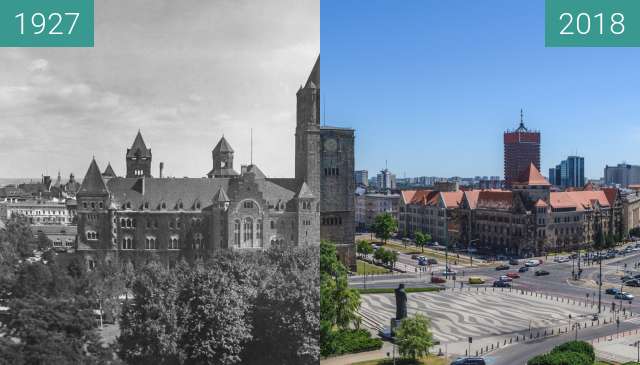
{"type": "Point", "coordinates": [541, 204]}
{"type": "Point", "coordinates": [495, 199]}
{"type": "Point", "coordinates": [253, 169]}
{"type": "Point", "coordinates": [580, 200]}
{"type": "Point", "coordinates": [223, 146]}
{"type": "Point", "coordinates": [92, 182]}
{"type": "Point", "coordinates": [2, 225]}
{"type": "Point", "coordinates": [109, 171]}
{"type": "Point", "coordinates": [221, 196]}
{"type": "Point", "coordinates": [611, 194]}
{"type": "Point", "coordinates": [452, 199]}
{"type": "Point", "coordinates": [138, 147]}
{"type": "Point", "coordinates": [305, 192]}
{"type": "Point", "coordinates": [472, 198]}
{"type": "Point", "coordinates": [531, 176]}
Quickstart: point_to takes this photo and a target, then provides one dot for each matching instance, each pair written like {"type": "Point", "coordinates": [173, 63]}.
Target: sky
{"type": "Point", "coordinates": [430, 86]}
{"type": "Point", "coordinates": [183, 72]}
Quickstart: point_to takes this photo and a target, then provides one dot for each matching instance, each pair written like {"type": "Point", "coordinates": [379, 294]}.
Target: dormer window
{"type": "Point", "coordinates": [146, 205]}
{"type": "Point", "coordinates": [197, 205]}
{"type": "Point", "coordinates": [163, 205]}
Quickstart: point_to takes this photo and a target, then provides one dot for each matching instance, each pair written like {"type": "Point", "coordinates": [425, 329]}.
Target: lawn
{"type": "Point", "coordinates": [429, 360]}
{"type": "Point", "coordinates": [370, 268]}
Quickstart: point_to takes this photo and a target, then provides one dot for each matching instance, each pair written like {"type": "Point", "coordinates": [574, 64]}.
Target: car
{"type": "Point", "coordinates": [627, 278]}
{"type": "Point", "coordinates": [513, 275]}
{"type": "Point", "coordinates": [469, 361]}
{"type": "Point", "coordinates": [523, 269]}
{"type": "Point", "coordinates": [448, 272]}
{"type": "Point", "coordinates": [563, 259]}
{"type": "Point", "coordinates": [501, 284]}
{"type": "Point", "coordinates": [415, 257]}
{"type": "Point", "coordinates": [505, 278]}
{"type": "Point", "coordinates": [438, 280]}
{"type": "Point", "coordinates": [514, 262]}
{"type": "Point", "coordinates": [541, 272]}
{"type": "Point", "coordinates": [503, 267]}
{"type": "Point", "coordinates": [624, 296]}
{"type": "Point", "coordinates": [633, 282]}
{"type": "Point", "coordinates": [431, 261]}
{"type": "Point", "coordinates": [612, 291]}
{"type": "Point", "coordinates": [476, 280]}
{"type": "Point", "coordinates": [532, 263]}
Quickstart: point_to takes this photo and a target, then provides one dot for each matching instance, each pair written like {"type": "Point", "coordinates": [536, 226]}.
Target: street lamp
{"type": "Point", "coordinates": [469, 253]}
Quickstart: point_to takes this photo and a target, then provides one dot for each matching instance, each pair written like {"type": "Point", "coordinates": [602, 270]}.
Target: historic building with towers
{"type": "Point", "coordinates": [120, 217]}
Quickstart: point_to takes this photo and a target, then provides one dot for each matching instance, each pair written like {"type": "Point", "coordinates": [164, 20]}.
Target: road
{"type": "Point", "coordinates": [519, 354]}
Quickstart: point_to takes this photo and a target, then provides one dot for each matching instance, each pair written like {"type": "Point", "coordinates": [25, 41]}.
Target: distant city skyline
{"type": "Point", "coordinates": [433, 96]}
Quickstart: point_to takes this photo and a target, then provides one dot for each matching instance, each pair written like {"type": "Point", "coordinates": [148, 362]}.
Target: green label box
{"type": "Point", "coordinates": [592, 23]}
{"type": "Point", "coordinates": [46, 23]}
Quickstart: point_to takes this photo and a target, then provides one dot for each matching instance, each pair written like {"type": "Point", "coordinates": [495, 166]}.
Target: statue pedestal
{"type": "Point", "coordinates": [394, 324]}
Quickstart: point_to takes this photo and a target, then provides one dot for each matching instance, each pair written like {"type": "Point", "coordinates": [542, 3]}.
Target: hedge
{"type": "Point", "coordinates": [350, 341]}
{"type": "Point", "coordinates": [569, 353]}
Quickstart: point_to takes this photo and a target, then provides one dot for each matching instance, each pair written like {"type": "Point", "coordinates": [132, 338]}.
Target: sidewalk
{"type": "Point", "coordinates": [620, 348]}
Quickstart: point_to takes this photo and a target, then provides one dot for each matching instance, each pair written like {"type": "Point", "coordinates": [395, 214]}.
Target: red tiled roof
{"type": "Point", "coordinates": [495, 199]}
{"type": "Point", "coordinates": [472, 198]}
{"type": "Point", "coordinates": [541, 204]}
{"type": "Point", "coordinates": [452, 199]}
{"type": "Point", "coordinates": [531, 176]}
{"type": "Point", "coordinates": [580, 200]}
{"type": "Point", "coordinates": [611, 194]}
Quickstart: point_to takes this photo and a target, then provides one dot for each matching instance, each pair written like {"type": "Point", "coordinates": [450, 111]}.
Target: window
{"type": "Point", "coordinates": [84, 205]}
{"type": "Point", "coordinates": [93, 205]}
{"type": "Point", "coordinates": [127, 243]}
{"type": "Point", "coordinates": [101, 205]}
{"type": "Point", "coordinates": [273, 224]}
{"type": "Point", "coordinates": [248, 229]}
{"type": "Point", "coordinates": [150, 243]}
{"type": "Point", "coordinates": [197, 241]}
{"type": "Point", "coordinates": [174, 243]}
{"type": "Point", "coordinates": [236, 233]}
{"type": "Point", "coordinates": [248, 204]}
{"type": "Point", "coordinates": [146, 205]}
{"type": "Point", "coordinates": [259, 229]}
{"type": "Point", "coordinates": [92, 235]}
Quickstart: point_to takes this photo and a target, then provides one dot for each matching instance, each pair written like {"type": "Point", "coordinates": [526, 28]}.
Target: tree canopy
{"type": "Point", "coordinates": [384, 226]}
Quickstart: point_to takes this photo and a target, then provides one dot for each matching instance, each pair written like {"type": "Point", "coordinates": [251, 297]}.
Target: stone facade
{"type": "Point", "coordinates": [430, 211]}
{"type": "Point", "coordinates": [121, 218]}
{"type": "Point", "coordinates": [370, 205]}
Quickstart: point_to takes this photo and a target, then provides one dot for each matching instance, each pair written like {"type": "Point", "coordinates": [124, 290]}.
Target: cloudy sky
{"type": "Point", "coordinates": [183, 72]}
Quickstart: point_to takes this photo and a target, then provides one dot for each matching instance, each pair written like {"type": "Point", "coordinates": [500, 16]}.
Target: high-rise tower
{"type": "Point", "coordinates": [521, 148]}
{"type": "Point", "coordinates": [308, 131]}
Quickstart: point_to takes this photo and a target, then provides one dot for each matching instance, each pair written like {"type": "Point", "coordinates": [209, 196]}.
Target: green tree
{"type": "Point", "coordinates": [413, 337]}
{"type": "Point", "coordinates": [384, 226]}
{"type": "Point", "coordinates": [422, 239]}
{"type": "Point", "coordinates": [18, 234]}
{"type": "Point", "coordinates": [364, 248]}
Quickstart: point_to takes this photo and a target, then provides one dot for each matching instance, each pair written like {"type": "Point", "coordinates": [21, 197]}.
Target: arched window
{"type": "Point", "coordinates": [174, 243]}
{"type": "Point", "coordinates": [248, 229]}
{"type": "Point", "coordinates": [127, 243]}
{"type": "Point", "coordinates": [150, 243]}
{"type": "Point", "coordinates": [236, 232]}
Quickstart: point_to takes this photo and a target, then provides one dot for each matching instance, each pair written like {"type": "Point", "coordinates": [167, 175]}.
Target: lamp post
{"type": "Point", "coordinates": [600, 283]}
{"type": "Point", "coordinates": [469, 251]}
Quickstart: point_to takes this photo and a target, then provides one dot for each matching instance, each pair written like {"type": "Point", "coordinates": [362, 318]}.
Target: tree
{"type": "Point", "coordinates": [43, 242]}
{"type": "Point", "coordinates": [422, 239]}
{"type": "Point", "coordinates": [384, 226]}
{"type": "Point", "coordinates": [290, 336]}
{"type": "Point", "coordinates": [149, 330]}
{"type": "Point", "coordinates": [413, 337]}
{"type": "Point", "coordinates": [53, 331]}
{"type": "Point", "coordinates": [364, 248]}
{"type": "Point", "coordinates": [18, 234]}
{"type": "Point", "coordinates": [213, 321]}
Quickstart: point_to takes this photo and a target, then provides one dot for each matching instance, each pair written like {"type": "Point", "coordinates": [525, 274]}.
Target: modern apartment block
{"type": "Point", "coordinates": [569, 173]}
{"type": "Point", "coordinates": [521, 148]}
{"type": "Point", "coordinates": [623, 174]}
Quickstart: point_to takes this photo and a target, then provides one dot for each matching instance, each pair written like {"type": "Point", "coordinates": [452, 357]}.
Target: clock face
{"type": "Point", "coordinates": [331, 145]}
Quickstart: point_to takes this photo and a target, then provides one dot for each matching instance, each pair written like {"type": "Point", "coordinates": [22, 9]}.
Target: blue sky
{"type": "Point", "coordinates": [431, 85]}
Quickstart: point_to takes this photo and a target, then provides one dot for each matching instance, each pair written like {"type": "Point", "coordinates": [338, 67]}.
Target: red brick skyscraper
{"type": "Point", "coordinates": [521, 147]}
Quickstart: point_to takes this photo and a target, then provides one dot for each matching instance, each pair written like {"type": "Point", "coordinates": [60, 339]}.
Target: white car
{"type": "Point", "coordinates": [505, 278]}
{"type": "Point", "coordinates": [532, 263]}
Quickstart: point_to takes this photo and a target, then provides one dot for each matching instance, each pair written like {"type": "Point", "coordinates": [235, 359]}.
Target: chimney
{"type": "Point", "coordinates": [161, 168]}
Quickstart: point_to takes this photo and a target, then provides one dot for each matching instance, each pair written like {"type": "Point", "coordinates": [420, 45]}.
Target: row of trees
{"type": "Point", "coordinates": [249, 308]}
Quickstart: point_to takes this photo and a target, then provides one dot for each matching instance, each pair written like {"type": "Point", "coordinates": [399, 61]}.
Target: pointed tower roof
{"type": "Point", "coordinates": [223, 146]}
{"type": "Point", "coordinates": [221, 196]}
{"type": "Point", "coordinates": [92, 182]}
{"type": "Point", "coordinates": [253, 169]}
{"type": "Point", "coordinates": [314, 77]}
{"type": "Point", "coordinates": [138, 147]}
{"type": "Point", "coordinates": [531, 176]}
{"type": "Point", "coordinates": [108, 172]}
{"type": "Point", "coordinates": [305, 192]}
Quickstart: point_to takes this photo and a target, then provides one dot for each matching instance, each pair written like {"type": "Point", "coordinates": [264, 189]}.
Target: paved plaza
{"type": "Point", "coordinates": [455, 315]}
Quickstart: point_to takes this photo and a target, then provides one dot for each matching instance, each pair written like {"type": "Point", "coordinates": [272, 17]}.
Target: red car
{"type": "Point", "coordinates": [513, 275]}
{"type": "Point", "coordinates": [438, 280]}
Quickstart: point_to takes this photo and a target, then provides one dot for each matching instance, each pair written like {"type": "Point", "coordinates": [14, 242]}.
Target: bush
{"type": "Point", "coordinates": [561, 358]}
{"type": "Point", "coordinates": [350, 341]}
{"type": "Point", "coordinates": [577, 346]}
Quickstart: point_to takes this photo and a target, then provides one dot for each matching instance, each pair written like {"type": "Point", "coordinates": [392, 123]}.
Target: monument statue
{"type": "Point", "coordinates": [401, 303]}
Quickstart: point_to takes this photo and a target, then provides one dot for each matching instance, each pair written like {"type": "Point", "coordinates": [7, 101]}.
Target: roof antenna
{"type": "Point", "coordinates": [251, 146]}
{"type": "Point", "coordinates": [521, 118]}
